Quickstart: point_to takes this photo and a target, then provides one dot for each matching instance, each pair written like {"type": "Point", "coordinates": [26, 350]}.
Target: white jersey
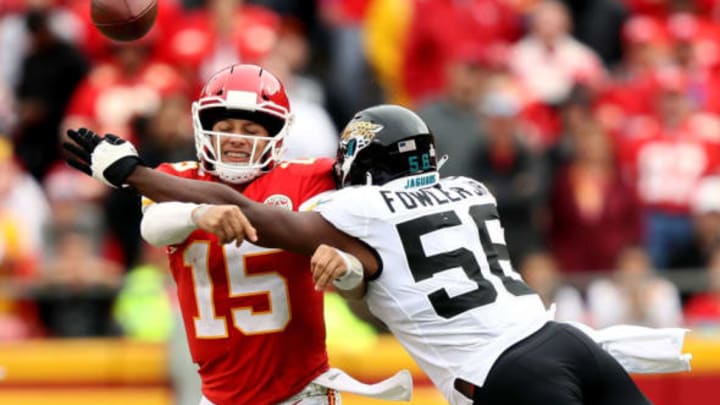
{"type": "Point", "coordinates": [446, 289]}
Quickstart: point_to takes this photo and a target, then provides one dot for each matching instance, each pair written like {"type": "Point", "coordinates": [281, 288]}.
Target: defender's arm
{"type": "Point", "coordinates": [115, 162]}
{"type": "Point", "coordinates": [299, 232]}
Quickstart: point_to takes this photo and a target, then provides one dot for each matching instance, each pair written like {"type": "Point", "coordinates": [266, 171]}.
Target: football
{"type": "Point", "coordinates": [123, 20]}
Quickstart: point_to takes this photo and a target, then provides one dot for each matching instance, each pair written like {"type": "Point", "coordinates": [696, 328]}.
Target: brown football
{"type": "Point", "coordinates": [123, 20]}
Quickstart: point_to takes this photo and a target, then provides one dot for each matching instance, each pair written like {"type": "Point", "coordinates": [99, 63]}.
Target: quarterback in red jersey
{"type": "Point", "coordinates": [253, 320]}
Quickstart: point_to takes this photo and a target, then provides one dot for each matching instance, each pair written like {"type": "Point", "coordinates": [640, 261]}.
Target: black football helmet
{"type": "Point", "coordinates": [384, 143]}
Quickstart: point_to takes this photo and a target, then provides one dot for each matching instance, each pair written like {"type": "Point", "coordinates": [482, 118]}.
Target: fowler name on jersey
{"type": "Point", "coordinates": [429, 197]}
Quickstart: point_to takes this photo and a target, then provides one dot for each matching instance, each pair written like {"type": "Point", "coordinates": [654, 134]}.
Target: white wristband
{"type": "Point", "coordinates": [354, 274]}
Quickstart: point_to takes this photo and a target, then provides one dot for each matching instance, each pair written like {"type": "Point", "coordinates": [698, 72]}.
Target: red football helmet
{"type": "Point", "coordinates": [244, 92]}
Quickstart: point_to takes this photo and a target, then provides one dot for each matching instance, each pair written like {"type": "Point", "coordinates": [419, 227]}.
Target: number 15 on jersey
{"type": "Point", "coordinates": [241, 283]}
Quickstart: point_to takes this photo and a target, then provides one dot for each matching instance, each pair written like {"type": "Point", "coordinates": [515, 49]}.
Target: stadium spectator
{"type": "Point", "coordinates": [73, 199]}
{"type": "Point", "coordinates": [23, 216]}
{"type": "Point", "coordinates": [663, 157]}
{"type": "Point", "coordinates": [549, 61]}
{"type": "Point", "coordinates": [454, 116]}
{"type": "Point", "coordinates": [588, 197]}
{"type": "Point", "coordinates": [511, 171]}
{"type": "Point", "coordinates": [219, 34]}
{"type": "Point", "coordinates": [131, 84]}
{"type": "Point", "coordinates": [438, 26]}
{"type": "Point", "coordinates": [349, 80]}
{"type": "Point", "coordinates": [144, 307]}
{"type": "Point", "coordinates": [598, 24]}
{"type": "Point", "coordinates": [631, 91]}
{"type": "Point", "coordinates": [634, 294]}
{"type": "Point", "coordinates": [291, 55]}
{"type": "Point", "coordinates": [166, 135]}
{"type": "Point", "coordinates": [702, 311]}
{"type": "Point", "coordinates": [541, 273]}
{"type": "Point", "coordinates": [51, 71]}
{"type": "Point", "coordinates": [705, 211]}
{"type": "Point", "coordinates": [695, 50]}
{"type": "Point", "coordinates": [576, 115]}
{"type": "Point", "coordinates": [22, 198]}
{"type": "Point", "coordinates": [77, 288]}
{"type": "Point", "coordinates": [313, 132]}
{"type": "Point", "coordinates": [15, 35]}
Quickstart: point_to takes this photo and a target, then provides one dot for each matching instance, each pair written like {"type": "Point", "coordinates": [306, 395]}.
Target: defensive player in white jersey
{"type": "Point", "coordinates": [436, 267]}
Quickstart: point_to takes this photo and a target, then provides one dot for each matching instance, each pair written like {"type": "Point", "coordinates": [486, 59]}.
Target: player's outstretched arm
{"type": "Point", "coordinates": [110, 160]}
{"type": "Point", "coordinates": [299, 232]}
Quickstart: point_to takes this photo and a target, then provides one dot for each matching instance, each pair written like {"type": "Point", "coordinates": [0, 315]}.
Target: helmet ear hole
{"type": "Point", "coordinates": [207, 166]}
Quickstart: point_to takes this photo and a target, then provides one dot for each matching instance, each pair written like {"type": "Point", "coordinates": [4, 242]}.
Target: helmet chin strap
{"type": "Point", "coordinates": [368, 179]}
{"type": "Point", "coordinates": [442, 161]}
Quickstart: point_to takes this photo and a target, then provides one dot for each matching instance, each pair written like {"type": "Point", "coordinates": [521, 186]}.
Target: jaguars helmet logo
{"type": "Point", "coordinates": [362, 131]}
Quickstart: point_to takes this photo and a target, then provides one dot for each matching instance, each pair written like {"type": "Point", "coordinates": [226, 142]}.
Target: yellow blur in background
{"type": "Point", "coordinates": [138, 371]}
{"type": "Point", "coordinates": [121, 371]}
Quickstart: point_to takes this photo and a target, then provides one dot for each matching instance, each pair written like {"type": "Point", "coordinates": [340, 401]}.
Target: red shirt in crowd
{"type": "Point", "coordinates": [440, 26]}
{"type": "Point", "coordinates": [665, 165]}
{"type": "Point", "coordinates": [614, 222]}
{"type": "Point", "coordinates": [108, 99]}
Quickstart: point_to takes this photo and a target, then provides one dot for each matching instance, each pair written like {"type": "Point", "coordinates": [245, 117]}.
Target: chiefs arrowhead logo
{"type": "Point", "coordinates": [279, 200]}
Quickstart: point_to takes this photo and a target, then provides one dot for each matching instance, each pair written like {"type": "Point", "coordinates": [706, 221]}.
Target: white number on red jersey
{"type": "Point", "coordinates": [208, 324]}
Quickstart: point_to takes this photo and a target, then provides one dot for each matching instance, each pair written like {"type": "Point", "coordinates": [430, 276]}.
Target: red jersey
{"type": "Point", "coordinates": [253, 319]}
{"type": "Point", "coordinates": [665, 166]}
{"type": "Point", "coordinates": [108, 99]}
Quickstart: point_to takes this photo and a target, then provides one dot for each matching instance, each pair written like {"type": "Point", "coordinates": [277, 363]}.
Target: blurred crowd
{"type": "Point", "coordinates": [594, 122]}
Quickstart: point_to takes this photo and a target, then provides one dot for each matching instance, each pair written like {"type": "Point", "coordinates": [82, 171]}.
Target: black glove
{"type": "Point", "coordinates": [109, 159]}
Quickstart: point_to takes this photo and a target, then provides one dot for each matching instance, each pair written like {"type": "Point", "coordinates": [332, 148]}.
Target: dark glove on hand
{"type": "Point", "coordinates": [109, 158]}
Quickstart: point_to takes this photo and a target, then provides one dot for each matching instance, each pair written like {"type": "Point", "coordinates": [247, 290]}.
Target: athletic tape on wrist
{"type": "Point", "coordinates": [354, 274]}
{"type": "Point", "coordinates": [198, 212]}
